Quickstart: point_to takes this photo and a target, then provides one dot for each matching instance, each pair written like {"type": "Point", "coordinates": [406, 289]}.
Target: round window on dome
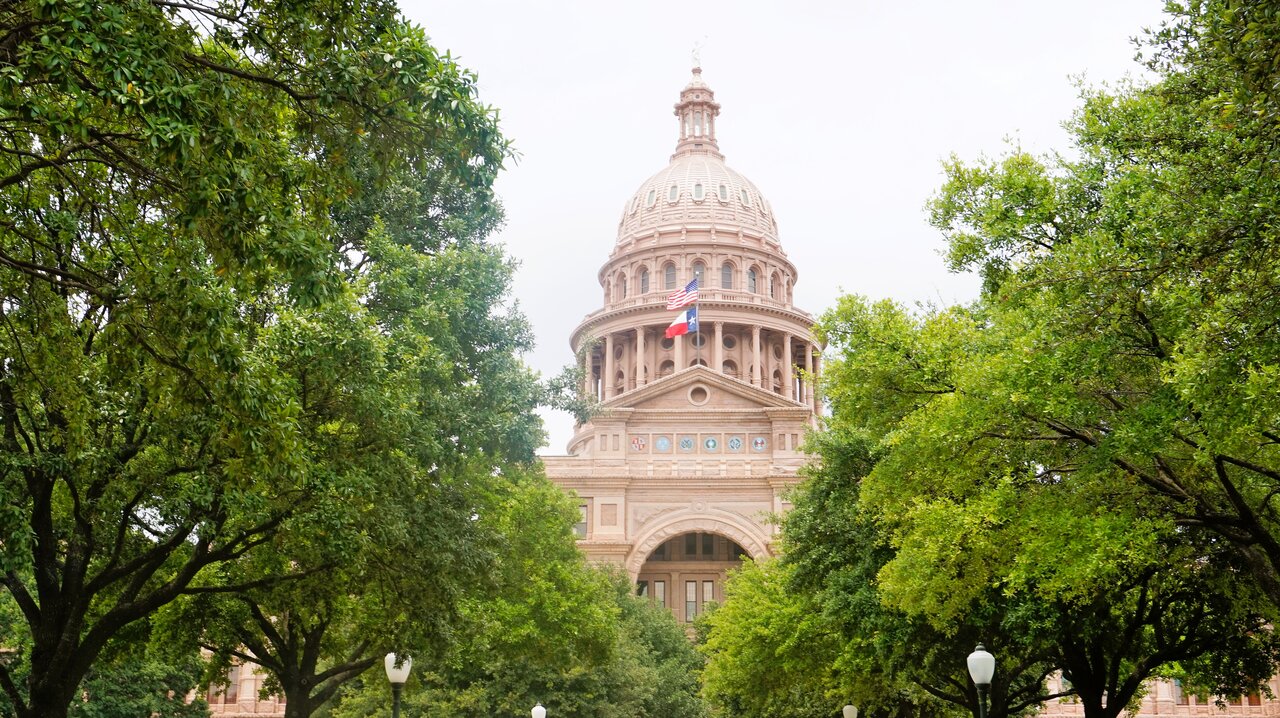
{"type": "Point", "coordinates": [653, 197]}
{"type": "Point", "coordinates": [673, 193]}
{"type": "Point", "coordinates": [697, 191]}
{"type": "Point", "coordinates": [746, 198]}
{"type": "Point", "coordinates": [724, 193]}
{"type": "Point", "coordinates": [729, 341]}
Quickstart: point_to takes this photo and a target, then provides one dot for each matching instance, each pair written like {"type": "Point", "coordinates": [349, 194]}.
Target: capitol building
{"type": "Point", "coordinates": [697, 437]}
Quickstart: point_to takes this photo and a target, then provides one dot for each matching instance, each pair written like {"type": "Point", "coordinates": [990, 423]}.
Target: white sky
{"type": "Point", "coordinates": [840, 112]}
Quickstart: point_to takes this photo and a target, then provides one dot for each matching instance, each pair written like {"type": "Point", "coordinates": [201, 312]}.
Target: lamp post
{"type": "Point", "coordinates": [538, 711]}
{"type": "Point", "coordinates": [849, 711]}
{"type": "Point", "coordinates": [397, 673]}
{"type": "Point", "coordinates": [982, 666]}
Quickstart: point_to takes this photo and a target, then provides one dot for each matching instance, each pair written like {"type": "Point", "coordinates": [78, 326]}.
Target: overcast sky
{"type": "Point", "coordinates": [840, 112]}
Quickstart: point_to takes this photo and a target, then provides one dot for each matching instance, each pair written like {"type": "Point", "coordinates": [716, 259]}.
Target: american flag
{"type": "Point", "coordinates": [683, 297]}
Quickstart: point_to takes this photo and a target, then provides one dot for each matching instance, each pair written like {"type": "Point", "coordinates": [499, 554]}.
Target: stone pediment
{"type": "Point", "coordinates": [679, 391]}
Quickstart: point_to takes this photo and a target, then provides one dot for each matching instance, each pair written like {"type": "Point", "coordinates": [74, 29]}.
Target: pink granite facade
{"type": "Point", "coordinates": [699, 436]}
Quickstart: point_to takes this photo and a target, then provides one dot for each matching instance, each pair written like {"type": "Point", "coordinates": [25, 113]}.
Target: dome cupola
{"type": "Point", "coordinates": [697, 187]}
{"type": "Point", "coordinates": [697, 111]}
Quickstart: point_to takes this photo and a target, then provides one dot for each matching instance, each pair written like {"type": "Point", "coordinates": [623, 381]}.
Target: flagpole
{"type": "Point", "coordinates": [697, 312]}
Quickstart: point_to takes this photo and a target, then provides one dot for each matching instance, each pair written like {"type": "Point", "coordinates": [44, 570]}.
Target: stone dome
{"type": "Point", "coordinates": [697, 188]}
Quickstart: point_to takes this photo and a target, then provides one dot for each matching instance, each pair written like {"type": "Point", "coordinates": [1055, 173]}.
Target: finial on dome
{"type": "Point", "coordinates": [697, 111]}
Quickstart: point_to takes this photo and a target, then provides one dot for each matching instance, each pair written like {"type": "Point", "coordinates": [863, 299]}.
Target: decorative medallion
{"type": "Point", "coordinates": [735, 443]}
{"type": "Point", "coordinates": [662, 444]}
{"type": "Point", "coordinates": [710, 443]}
{"type": "Point", "coordinates": [759, 443]}
{"type": "Point", "coordinates": [686, 444]}
{"type": "Point", "coordinates": [639, 443]}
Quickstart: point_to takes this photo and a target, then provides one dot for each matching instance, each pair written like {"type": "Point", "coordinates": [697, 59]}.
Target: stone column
{"type": "Point", "coordinates": [717, 352]}
{"type": "Point", "coordinates": [817, 374]}
{"type": "Point", "coordinates": [639, 370]}
{"type": "Point", "coordinates": [755, 353]}
{"type": "Point", "coordinates": [788, 391]}
{"type": "Point", "coordinates": [607, 379]}
{"type": "Point", "coordinates": [808, 370]}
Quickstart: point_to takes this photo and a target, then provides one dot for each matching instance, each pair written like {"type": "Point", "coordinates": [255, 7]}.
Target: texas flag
{"type": "Point", "coordinates": [686, 322]}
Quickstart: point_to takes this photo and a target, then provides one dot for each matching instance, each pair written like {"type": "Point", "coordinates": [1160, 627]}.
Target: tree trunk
{"type": "Point", "coordinates": [297, 699]}
{"type": "Point", "coordinates": [50, 699]}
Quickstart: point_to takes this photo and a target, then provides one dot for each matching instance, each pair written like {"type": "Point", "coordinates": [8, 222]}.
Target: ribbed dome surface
{"type": "Point", "coordinates": [697, 189]}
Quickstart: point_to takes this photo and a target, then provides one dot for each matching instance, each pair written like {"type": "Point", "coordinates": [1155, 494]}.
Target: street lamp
{"type": "Point", "coordinates": [850, 711]}
{"type": "Point", "coordinates": [538, 711]}
{"type": "Point", "coordinates": [397, 673]}
{"type": "Point", "coordinates": [982, 666]}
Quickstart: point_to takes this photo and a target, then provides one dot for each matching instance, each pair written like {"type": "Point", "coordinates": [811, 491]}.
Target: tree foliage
{"type": "Point", "coordinates": [549, 629]}
{"type": "Point", "coordinates": [1097, 436]}
{"type": "Point", "coordinates": [215, 362]}
{"type": "Point", "coordinates": [770, 651]}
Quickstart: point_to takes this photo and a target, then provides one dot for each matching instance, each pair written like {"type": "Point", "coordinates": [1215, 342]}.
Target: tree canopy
{"type": "Point", "coordinates": [1080, 467]}
{"type": "Point", "coordinates": [224, 352]}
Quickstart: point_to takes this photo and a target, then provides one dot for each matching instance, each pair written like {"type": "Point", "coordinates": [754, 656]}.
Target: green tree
{"type": "Point", "coordinates": [142, 681]}
{"type": "Point", "coordinates": [388, 573]}
{"type": "Point", "coordinates": [1131, 290]}
{"type": "Point", "coordinates": [892, 663]}
{"type": "Point", "coordinates": [550, 628]}
{"type": "Point", "coordinates": [770, 651]}
{"type": "Point", "coordinates": [171, 177]}
{"type": "Point", "coordinates": [977, 537]}
{"type": "Point", "coordinates": [1099, 431]}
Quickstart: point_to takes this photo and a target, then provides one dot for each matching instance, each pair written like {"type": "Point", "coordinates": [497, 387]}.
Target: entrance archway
{"type": "Point", "coordinates": [681, 562]}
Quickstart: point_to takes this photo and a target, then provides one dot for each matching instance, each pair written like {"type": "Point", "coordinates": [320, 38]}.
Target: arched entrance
{"type": "Point", "coordinates": [686, 573]}
{"type": "Point", "coordinates": [680, 563]}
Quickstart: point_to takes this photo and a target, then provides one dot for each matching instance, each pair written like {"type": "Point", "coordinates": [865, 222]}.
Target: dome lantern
{"type": "Point", "coordinates": [696, 114]}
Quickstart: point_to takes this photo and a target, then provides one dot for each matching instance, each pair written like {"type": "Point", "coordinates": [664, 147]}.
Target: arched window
{"type": "Point", "coordinates": [698, 362]}
{"type": "Point", "coordinates": [724, 193]}
{"type": "Point", "coordinates": [730, 368]}
{"type": "Point", "coordinates": [697, 124]}
{"type": "Point", "coordinates": [653, 197]}
{"type": "Point", "coordinates": [666, 368]}
{"type": "Point", "coordinates": [700, 271]}
{"type": "Point", "coordinates": [746, 198]}
{"type": "Point", "coordinates": [673, 194]}
{"type": "Point", "coordinates": [622, 286]}
{"type": "Point", "coordinates": [697, 191]}
{"type": "Point", "coordinates": [726, 276]}
{"type": "Point", "coordinates": [775, 285]}
{"type": "Point", "coordinates": [620, 383]}
{"type": "Point", "coordinates": [751, 280]}
{"type": "Point", "coordinates": [669, 276]}
{"type": "Point", "coordinates": [777, 382]}
{"type": "Point", "coordinates": [644, 280]}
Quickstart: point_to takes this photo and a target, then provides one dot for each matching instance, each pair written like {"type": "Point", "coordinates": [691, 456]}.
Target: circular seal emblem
{"type": "Point", "coordinates": [710, 443]}
{"type": "Point", "coordinates": [638, 443]}
{"type": "Point", "coordinates": [735, 443]}
{"type": "Point", "coordinates": [759, 443]}
{"type": "Point", "coordinates": [686, 443]}
{"type": "Point", "coordinates": [662, 443]}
